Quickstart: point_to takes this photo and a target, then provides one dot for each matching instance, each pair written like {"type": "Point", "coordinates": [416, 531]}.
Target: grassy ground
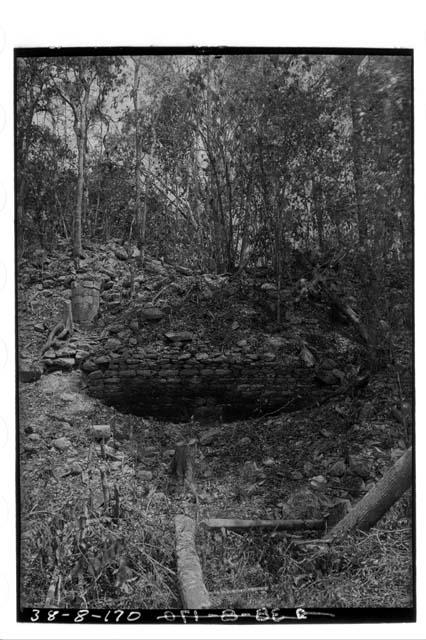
{"type": "Point", "coordinates": [108, 556]}
{"type": "Point", "coordinates": [97, 523]}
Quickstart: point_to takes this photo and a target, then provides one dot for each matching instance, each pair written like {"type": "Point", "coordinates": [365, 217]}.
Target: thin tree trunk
{"type": "Point", "coordinates": [20, 215]}
{"type": "Point", "coordinates": [356, 152]}
{"type": "Point", "coordinates": [81, 134]}
{"type": "Point", "coordinates": [278, 253]}
{"type": "Point", "coordinates": [140, 213]}
{"type": "Point", "coordinates": [77, 249]}
{"type": "Point", "coordinates": [147, 193]}
{"type": "Point", "coordinates": [317, 197]}
{"type": "Point", "coordinates": [85, 199]}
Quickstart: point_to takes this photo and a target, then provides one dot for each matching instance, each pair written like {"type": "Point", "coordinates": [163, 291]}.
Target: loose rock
{"type": "Point", "coordinates": [359, 467]}
{"type": "Point", "coordinates": [338, 469]}
{"type": "Point", "coordinates": [28, 371]}
{"type": "Point", "coordinates": [34, 437]}
{"type": "Point", "coordinates": [61, 444]}
{"type": "Point", "coordinates": [121, 253]}
{"type": "Point", "coordinates": [64, 363]}
{"type": "Point", "coordinates": [209, 436]}
{"type": "Point", "coordinates": [75, 468]}
{"type": "Point", "coordinates": [152, 314]}
{"type": "Point", "coordinates": [179, 336]}
{"type": "Point", "coordinates": [143, 474]}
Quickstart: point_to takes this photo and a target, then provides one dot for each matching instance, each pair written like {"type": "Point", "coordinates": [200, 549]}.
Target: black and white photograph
{"type": "Point", "coordinates": [215, 335]}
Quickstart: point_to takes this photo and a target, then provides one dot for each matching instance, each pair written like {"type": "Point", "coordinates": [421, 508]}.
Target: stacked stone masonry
{"type": "Point", "coordinates": [173, 382]}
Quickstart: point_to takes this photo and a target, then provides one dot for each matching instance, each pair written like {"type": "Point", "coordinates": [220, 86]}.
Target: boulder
{"type": "Point", "coordinates": [121, 253]}
{"type": "Point", "coordinates": [88, 366]}
{"type": "Point", "coordinates": [112, 344]}
{"type": "Point", "coordinates": [268, 462]}
{"type": "Point", "coordinates": [66, 352]}
{"type": "Point", "coordinates": [152, 314]}
{"type": "Point", "coordinates": [179, 336]}
{"type": "Point", "coordinates": [143, 474]}
{"type": "Point", "coordinates": [209, 436]}
{"type": "Point", "coordinates": [269, 356]}
{"type": "Point", "coordinates": [115, 328]}
{"type": "Point", "coordinates": [134, 325]}
{"type": "Point", "coordinates": [338, 469]}
{"type": "Point", "coordinates": [318, 482]}
{"type": "Point", "coordinates": [80, 356]}
{"type": "Point", "coordinates": [276, 342]}
{"type": "Point", "coordinates": [207, 294]}
{"type": "Point", "coordinates": [64, 363]}
{"type": "Point", "coordinates": [61, 444]}
{"type": "Point", "coordinates": [155, 266]}
{"type": "Point", "coordinates": [359, 467]}
{"type": "Point", "coordinates": [186, 271]}
{"type": "Point", "coordinates": [75, 468]}
{"type": "Point", "coordinates": [29, 371]}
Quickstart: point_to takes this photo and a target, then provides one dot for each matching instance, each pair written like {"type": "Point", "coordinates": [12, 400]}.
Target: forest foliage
{"type": "Point", "coordinates": [217, 161]}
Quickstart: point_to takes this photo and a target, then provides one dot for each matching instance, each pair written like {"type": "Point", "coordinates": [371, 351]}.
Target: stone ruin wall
{"type": "Point", "coordinates": [175, 383]}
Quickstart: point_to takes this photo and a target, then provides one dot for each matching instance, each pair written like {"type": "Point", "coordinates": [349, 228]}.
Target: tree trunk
{"type": "Point", "coordinates": [20, 215]}
{"type": "Point", "coordinates": [357, 153]}
{"type": "Point", "coordinates": [140, 213]}
{"type": "Point", "coordinates": [379, 499]}
{"type": "Point", "coordinates": [77, 249]}
{"type": "Point", "coordinates": [85, 199]}
{"type": "Point", "coordinates": [193, 591]}
{"type": "Point", "coordinates": [318, 206]}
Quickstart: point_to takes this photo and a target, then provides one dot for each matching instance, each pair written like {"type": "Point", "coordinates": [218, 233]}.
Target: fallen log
{"type": "Point", "coordinates": [193, 591]}
{"type": "Point", "coordinates": [378, 500]}
{"type": "Point", "coordinates": [275, 525]}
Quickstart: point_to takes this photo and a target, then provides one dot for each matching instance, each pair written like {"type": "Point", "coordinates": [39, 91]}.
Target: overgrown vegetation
{"type": "Point", "coordinates": [201, 185]}
{"type": "Point", "coordinates": [239, 158]}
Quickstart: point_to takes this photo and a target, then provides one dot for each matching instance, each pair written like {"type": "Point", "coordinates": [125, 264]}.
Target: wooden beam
{"type": "Point", "coordinates": [275, 525]}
